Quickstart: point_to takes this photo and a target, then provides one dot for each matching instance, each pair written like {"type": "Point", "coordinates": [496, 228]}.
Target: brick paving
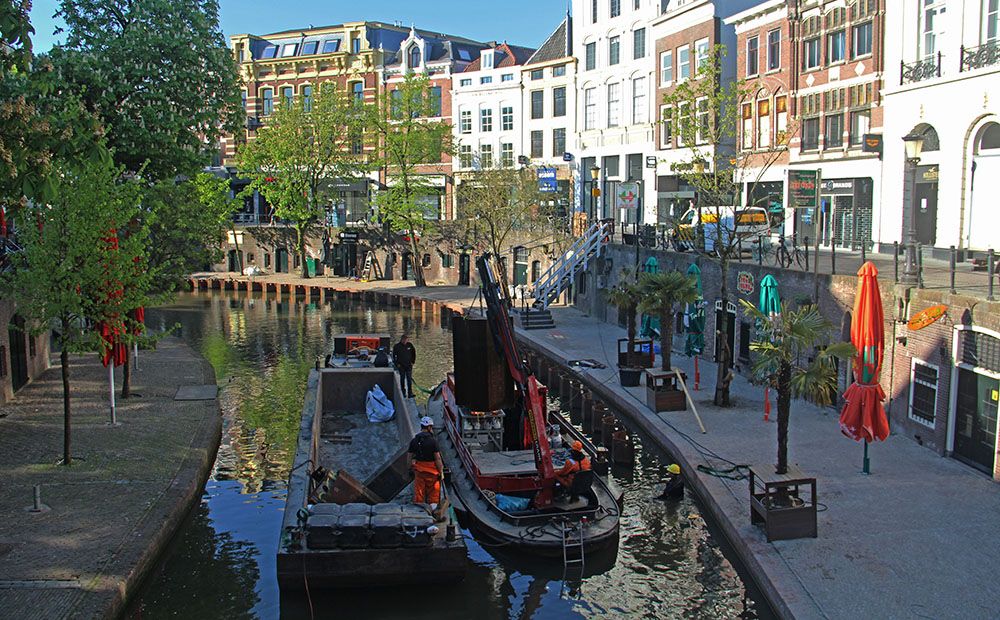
{"type": "Point", "coordinates": [117, 506]}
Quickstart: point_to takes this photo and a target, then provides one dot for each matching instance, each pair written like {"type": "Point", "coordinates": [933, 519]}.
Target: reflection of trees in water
{"type": "Point", "coordinates": [207, 575]}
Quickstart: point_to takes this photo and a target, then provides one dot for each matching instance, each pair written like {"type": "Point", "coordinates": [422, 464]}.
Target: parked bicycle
{"type": "Point", "coordinates": [784, 259]}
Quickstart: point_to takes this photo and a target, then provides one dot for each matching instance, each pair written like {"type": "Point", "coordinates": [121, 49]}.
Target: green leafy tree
{"type": "Point", "coordinates": [783, 341]}
{"type": "Point", "coordinates": [706, 116]}
{"type": "Point", "coordinates": [412, 136]}
{"type": "Point", "coordinates": [66, 277]}
{"type": "Point", "coordinates": [15, 35]}
{"type": "Point", "coordinates": [625, 296]}
{"type": "Point", "coordinates": [660, 294]}
{"type": "Point", "coordinates": [159, 75]}
{"type": "Point", "coordinates": [304, 148]}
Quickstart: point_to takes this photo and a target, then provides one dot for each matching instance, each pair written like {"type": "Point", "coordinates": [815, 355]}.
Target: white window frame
{"type": "Point", "coordinates": [937, 392]}
{"type": "Point", "coordinates": [666, 67]}
{"type": "Point", "coordinates": [699, 137]}
{"type": "Point", "coordinates": [640, 103]}
{"type": "Point", "coordinates": [777, 55]}
{"type": "Point", "coordinates": [701, 52]}
{"type": "Point", "coordinates": [841, 34]}
{"type": "Point", "coordinates": [465, 156]}
{"type": "Point", "coordinates": [989, 14]}
{"type": "Point", "coordinates": [854, 39]}
{"type": "Point", "coordinates": [683, 63]}
{"type": "Point", "coordinates": [666, 120]}
{"type": "Point", "coordinates": [485, 120]}
{"type": "Point", "coordinates": [465, 121]}
{"type": "Point", "coordinates": [615, 104]}
{"type": "Point", "coordinates": [506, 118]}
{"type": "Point", "coordinates": [486, 159]}
{"type": "Point", "coordinates": [506, 154]}
{"type": "Point", "coordinates": [590, 108]}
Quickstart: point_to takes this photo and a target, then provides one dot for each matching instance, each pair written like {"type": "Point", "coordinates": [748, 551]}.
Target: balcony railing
{"type": "Point", "coordinates": [979, 57]}
{"type": "Point", "coordinates": [920, 70]}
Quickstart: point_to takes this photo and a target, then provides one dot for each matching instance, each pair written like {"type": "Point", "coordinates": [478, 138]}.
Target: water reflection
{"type": "Point", "coordinates": [222, 565]}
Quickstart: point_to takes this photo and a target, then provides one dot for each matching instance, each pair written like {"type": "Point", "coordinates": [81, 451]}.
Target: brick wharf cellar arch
{"type": "Point", "coordinates": [984, 211]}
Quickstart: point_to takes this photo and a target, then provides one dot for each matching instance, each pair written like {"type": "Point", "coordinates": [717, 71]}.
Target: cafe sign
{"type": "Point", "coordinates": [744, 282]}
{"type": "Point", "coordinates": [802, 188]}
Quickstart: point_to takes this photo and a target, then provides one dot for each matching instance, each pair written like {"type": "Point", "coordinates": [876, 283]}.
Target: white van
{"type": "Point", "coordinates": [747, 223]}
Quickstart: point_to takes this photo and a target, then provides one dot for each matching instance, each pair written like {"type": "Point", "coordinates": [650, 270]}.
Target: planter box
{"type": "Point", "coordinates": [662, 391]}
{"type": "Point", "coordinates": [629, 377]}
{"type": "Point", "coordinates": [635, 357]}
{"type": "Point", "coordinates": [784, 505]}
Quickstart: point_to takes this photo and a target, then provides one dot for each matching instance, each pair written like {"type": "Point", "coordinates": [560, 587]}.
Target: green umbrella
{"type": "Point", "coordinates": [650, 324]}
{"type": "Point", "coordinates": [694, 318]}
{"type": "Point", "coordinates": [770, 300]}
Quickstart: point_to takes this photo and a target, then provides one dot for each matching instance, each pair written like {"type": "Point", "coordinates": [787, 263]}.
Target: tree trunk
{"type": "Point", "coordinates": [64, 361]}
{"type": "Point", "coordinates": [236, 242]}
{"type": "Point", "coordinates": [127, 374]}
{"type": "Point", "coordinates": [416, 261]}
{"type": "Point", "coordinates": [724, 376]}
{"type": "Point", "coordinates": [630, 329]}
{"type": "Point", "coordinates": [300, 242]}
{"type": "Point", "coordinates": [666, 340]}
{"type": "Point", "coordinates": [784, 408]}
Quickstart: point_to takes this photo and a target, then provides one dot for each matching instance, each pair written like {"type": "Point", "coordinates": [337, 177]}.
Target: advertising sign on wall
{"type": "Point", "coordinates": [547, 180]}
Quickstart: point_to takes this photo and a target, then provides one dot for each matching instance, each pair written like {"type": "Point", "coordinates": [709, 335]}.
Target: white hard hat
{"type": "Point", "coordinates": [426, 421]}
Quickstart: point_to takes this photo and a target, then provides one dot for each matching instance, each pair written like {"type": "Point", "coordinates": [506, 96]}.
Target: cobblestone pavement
{"type": "Point", "coordinates": [115, 508]}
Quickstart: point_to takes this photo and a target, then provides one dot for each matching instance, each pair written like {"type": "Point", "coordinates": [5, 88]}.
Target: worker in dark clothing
{"type": "Point", "coordinates": [425, 462]}
{"type": "Point", "coordinates": [404, 355]}
{"type": "Point", "coordinates": [381, 358]}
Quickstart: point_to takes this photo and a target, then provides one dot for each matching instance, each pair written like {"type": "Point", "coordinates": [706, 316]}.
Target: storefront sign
{"type": "Point", "coordinates": [926, 317]}
{"type": "Point", "coordinates": [547, 180]}
{"type": "Point", "coordinates": [349, 236]}
{"type": "Point", "coordinates": [567, 157]}
{"type": "Point", "coordinates": [744, 282]}
{"type": "Point", "coordinates": [627, 196]}
{"type": "Point", "coordinates": [837, 186]}
{"type": "Point", "coordinates": [802, 185]}
{"type": "Point", "coordinates": [929, 174]}
{"type": "Point", "coordinates": [651, 161]}
{"type": "Point", "coordinates": [872, 143]}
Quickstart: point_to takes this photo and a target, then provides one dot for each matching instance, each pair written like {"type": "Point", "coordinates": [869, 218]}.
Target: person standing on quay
{"type": "Point", "coordinates": [404, 355]}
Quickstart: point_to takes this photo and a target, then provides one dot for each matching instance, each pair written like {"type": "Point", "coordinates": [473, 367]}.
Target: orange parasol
{"type": "Point", "coordinates": [863, 416]}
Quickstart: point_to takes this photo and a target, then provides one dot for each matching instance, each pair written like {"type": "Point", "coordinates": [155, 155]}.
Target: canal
{"type": "Point", "coordinates": [669, 564]}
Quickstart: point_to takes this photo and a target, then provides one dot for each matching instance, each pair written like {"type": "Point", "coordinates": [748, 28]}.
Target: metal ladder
{"type": "Point", "coordinates": [573, 559]}
{"type": "Point", "coordinates": [371, 270]}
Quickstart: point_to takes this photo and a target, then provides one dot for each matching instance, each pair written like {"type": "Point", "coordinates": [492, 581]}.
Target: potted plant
{"type": "Point", "coordinates": [625, 297]}
{"type": "Point", "coordinates": [660, 294]}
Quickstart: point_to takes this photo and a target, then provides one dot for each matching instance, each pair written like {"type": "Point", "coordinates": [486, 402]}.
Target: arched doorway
{"type": "Point", "coordinates": [464, 268]}
{"type": "Point", "coordinates": [408, 266]}
{"type": "Point", "coordinates": [925, 197]}
{"type": "Point", "coordinates": [18, 352]}
{"type": "Point", "coordinates": [520, 265]}
{"type": "Point", "coordinates": [984, 217]}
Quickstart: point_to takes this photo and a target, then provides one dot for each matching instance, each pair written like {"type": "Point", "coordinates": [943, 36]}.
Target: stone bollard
{"type": "Point", "coordinates": [552, 380]}
{"type": "Point", "coordinates": [607, 429]}
{"type": "Point", "coordinates": [586, 410]}
{"type": "Point", "coordinates": [565, 391]}
{"type": "Point", "coordinates": [622, 448]}
{"type": "Point", "coordinates": [594, 429]}
{"type": "Point", "coordinates": [601, 464]}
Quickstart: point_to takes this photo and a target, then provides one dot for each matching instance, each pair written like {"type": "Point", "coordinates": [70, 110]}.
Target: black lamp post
{"type": "Point", "coordinates": [914, 144]}
{"type": "Point", "coordinates": [595, 193]}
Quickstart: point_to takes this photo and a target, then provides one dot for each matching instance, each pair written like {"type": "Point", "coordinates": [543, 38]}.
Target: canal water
{"type": "Point", "coordinates": [221, 565]}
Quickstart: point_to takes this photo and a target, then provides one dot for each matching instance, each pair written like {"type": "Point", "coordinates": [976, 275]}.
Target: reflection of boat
{"type": "Point", "coordinates": [503, 477]}
{"type": "Point", "coordinates": [338, 531]}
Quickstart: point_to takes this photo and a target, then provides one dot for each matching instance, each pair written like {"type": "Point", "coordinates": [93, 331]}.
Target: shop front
{"type": "Point", "coordinates": [674, 196]}
{"type": "Point", "coordinates": [975, 397]}
{"type": "Point", "coordinates": [844, 217]}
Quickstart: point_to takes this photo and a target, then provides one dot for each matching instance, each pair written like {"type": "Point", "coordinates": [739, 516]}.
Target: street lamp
{"type": "Point", "coordinates": [914, 144]}
{"type": "Point", "coordinates": [595, 191]}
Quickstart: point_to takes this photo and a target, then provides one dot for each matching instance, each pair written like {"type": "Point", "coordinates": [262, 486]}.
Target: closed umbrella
{"type": "Point", "coordinates": [694, 323]}
{"type": "Point", "coordinates": [650, 324]}
{"type": "Point", "coordinates": [112, 329]}
{"type": "Point", "coordinates": [863, 417]}
{"type": "Point", "coordinates": [769, 305]}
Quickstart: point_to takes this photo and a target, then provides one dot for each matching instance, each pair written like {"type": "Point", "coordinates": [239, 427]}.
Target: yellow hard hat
{"type": "Point", "coordinates": [674, 468]}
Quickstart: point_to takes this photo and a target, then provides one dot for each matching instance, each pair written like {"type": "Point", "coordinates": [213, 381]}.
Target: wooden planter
{"type": "Point", "coordinates": [635, 357]}
{"type": "Point", "coordinates": [662, 391]}
{"type": "Point", "coordinates": [784, 505]}
{"type": "Point", "coordinates": [628, 376]}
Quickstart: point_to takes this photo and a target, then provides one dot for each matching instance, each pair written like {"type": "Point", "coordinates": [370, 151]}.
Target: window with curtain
{"type": "Point", "coordinates": [614, 104]}
{"type": "Point", "coordinates": [746, 113]}
{"type": "Point", "coordinates": [616, 8]}
{"type": "Point", "coordinates": [763, 124]}
{"type": "Point", "coordinates": [861, 39]}
{"type": "Point", "coordinates": [781, 117]}
{"type": "Point", "coordinates": [932, 26]}
{"type": "Point", "coordinates": [614, 48]}
{"type": "Point", "coordinates": [860, 123]}
{"type": "Point", "coordinates": [836, 46]}
{"type": "Point", "coordinates": [287, 96]}
{"type": "Point", "coordinates": [810, 53]}
{"type": "Point", "coordinates": [640, 113]}
{"type": "Point", "coordinates": [991, 21]}
{"type": "Point", "coordinates": [559, 101]}
{"type": "Point", "coordinates": [267, 97]}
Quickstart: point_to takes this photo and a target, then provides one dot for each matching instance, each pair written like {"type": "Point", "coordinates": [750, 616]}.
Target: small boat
{"type": "Point", "coordinates": [348, 521]}
{"type": "Point", "coordinates": [501, 459]}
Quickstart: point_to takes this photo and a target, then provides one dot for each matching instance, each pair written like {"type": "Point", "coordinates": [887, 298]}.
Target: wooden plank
{"type": "Point", "coordinates": [347, 489]}
{"type": "Point", "coordinates": [394, 476]}
{"type": "Point", "coordinates": [694, 408]}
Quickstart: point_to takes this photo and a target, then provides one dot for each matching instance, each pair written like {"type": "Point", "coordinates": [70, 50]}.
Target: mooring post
{"type": "Point", "coordinates": [952, 263]}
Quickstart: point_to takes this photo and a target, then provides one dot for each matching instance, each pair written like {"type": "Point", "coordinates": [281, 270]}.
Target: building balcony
{"type": "Point", "coordinates": [978, 57]}
{"type": "Point", "coordinates": [920, 70]}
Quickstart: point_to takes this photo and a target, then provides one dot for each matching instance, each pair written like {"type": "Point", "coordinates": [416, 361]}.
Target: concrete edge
{"type": "Point", "coordinates": [182, 494]}
{"type": "Point", "coordinates": [740, 546]}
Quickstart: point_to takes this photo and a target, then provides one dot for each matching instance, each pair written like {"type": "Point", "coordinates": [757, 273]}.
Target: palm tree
{"type": "Point", "coordinates": [625, 297]}
{"type": "Point", "coordinates": [661, 292]}
{"type": "Point", "coordinates": [783, 341]}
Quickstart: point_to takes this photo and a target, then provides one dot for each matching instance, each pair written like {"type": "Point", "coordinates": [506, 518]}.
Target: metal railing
{"type": "Point", "coordinates": [561, 273]}
{"type": "Point", "coordinates": [920, 70]}
{"type": "Point", "coordinates": [978, 57]}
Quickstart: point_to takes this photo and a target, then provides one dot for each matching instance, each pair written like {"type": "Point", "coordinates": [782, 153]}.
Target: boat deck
{"type": "Point", "coordinates": [510, 463]}
{"type": "Point", "coordinates": [350, 442]}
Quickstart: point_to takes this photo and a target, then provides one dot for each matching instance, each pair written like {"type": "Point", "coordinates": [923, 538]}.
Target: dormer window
{"type": "Point", "coordinates": [414, 56]}
{"type": "Point", "coordinates": [487, 59]}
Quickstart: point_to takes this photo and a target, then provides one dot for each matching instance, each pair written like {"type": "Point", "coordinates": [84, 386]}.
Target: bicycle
{"type": "Point", "coordinates": [784, 259]}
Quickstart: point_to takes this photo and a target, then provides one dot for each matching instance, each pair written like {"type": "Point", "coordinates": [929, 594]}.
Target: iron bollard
{"type": "Point", "coordinates": [760, 249]}
{"type": "Point", "coordinates": [952, 260]}
{"type": "Point", "coordinates": [807, 253]}
{"type": "Point", "coordinates": [920, 265]}
{"type": "Point", "coordinates": [864, 252]}
{"type": "Point", "coordinates": [895, 262]}
{"type": "Point", "coordinates": [833, 255]}
{"type": "Point", "coordinates": [990, 270]}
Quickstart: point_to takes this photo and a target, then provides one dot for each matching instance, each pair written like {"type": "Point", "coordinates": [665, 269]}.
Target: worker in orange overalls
{"type": "Point", "coordinates": [425, 462]}
{"type": "Point", "coordinates": [577, 461]}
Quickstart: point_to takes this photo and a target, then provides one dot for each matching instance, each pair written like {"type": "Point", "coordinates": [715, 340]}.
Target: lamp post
{"type": "Point", "coordinates": [595, 192]}
{"type": "Point", "coordinates": [914, 144]}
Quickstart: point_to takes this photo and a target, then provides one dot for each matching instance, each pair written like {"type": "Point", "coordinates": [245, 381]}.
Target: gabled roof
{"type": "Point", "coordinates": [505, 56]}
{"type": "Point", "coordinates": [556, 46]}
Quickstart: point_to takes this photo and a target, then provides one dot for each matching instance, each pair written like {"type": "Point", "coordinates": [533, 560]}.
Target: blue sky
{"type": "Point", "coordinates": [522, 22]}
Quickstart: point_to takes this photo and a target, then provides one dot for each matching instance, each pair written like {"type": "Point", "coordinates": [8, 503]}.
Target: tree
{"type": "Point", "coordinates": [625, 296]}
{"type": "Point", "coordinates": [500, 201]}
{"type": "Point", "coordinates": [783, 341]}
{"type": "Point", "coordinates": [159, 75]}
{"type": "Point", "coordinates": [412, 136]}
{"type": "Point", "coordinates": [67, 276]}
{"type": "Point", "coordinates": [706, 116]}
{"type": "Point", "coordinates": [659, 294]}
{"type": "Point", "coordinates": [305, 147]}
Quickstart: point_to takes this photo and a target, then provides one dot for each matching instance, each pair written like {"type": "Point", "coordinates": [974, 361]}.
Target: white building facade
{"type": "Point", "coordinates": [947, 90]}
{"type": "Point", "coordinates": [615, 129]}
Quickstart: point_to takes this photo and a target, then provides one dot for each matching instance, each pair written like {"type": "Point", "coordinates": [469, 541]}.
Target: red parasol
{"type": "Point", "coordinates": [112, 330]}
{"type": "Point", "coordinates": [863, 416]}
